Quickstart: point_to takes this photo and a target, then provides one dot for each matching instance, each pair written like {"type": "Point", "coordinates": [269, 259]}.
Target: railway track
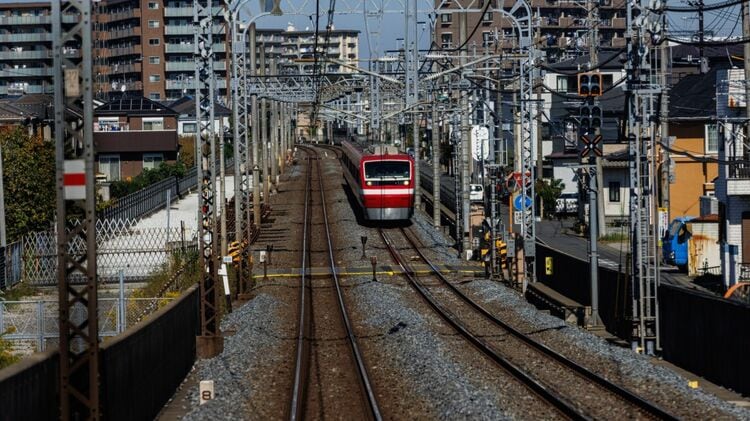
{"type": "Point", "coordinates": [315, 304]}
{"type": "Point", "coordinates": [573, 390]}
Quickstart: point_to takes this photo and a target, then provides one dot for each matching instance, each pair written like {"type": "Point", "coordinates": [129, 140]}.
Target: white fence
{"type": "Point", "coordinates": [33, 325]}
{"type": "Point", "coordinates": [121, 246]}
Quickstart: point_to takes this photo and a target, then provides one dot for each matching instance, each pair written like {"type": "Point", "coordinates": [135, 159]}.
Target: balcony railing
{"type": "Point", "coordinates": [181, 66]}
{"type": "Point", "coordinates": [739, 170]}
{"type": "Point", "coordinates": [28, 89]}
{"type": "Point", "coordinates": [33, 37]}
{"type": "Point", "coordinates": [25, 55]}
{"type": "Point", "coordinates": [181, 12]}
{"type": "Point", "coordinates": [36, 71]}
{"type": "Point", "coordinates": [188, 48]}
{"type": "Point", "coordinates": [123, 15]}
{"type": "Point", "coordinates": [123, 33]}
{"type": "Point", "coordinates": [125, 51]}
{"type": "Point", "coordinates": [25, 20]}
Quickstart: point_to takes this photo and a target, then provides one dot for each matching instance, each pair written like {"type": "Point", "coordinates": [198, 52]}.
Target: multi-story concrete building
{"type": "Point", "coordinates": [562, 26]}
{"type": "Point", "coordinates": [145, 48]}
{"type": "Point", "coordinates": [298, 46]}
{"type": "Point", "coordinates": [26, 48]}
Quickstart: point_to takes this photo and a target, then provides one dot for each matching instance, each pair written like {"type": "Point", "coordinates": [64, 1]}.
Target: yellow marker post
{"type": "Point", "coordinates": [548, 265]}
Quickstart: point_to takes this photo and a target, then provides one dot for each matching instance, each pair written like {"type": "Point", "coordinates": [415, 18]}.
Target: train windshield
{"type": "Point", "coordinates": [387, 170]}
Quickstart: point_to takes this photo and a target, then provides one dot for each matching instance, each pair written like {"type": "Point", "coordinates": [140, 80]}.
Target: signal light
{"type": "Point", "coordinates": [590, 84]}
{"type": "Point", "coordinates": [590, 115]}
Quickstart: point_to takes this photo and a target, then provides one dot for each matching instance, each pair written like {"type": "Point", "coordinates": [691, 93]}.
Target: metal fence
{"type": "Point", "coordinates": [11, 265]}
{"type": "Point", "coordinates": [32, 326]}
{"type": "Point", "coordinates": [151, 198]}
{"type": "Point", "coordinates": [121, 247]}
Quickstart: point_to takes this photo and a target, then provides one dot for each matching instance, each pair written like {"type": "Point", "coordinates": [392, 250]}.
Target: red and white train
{"type": "Point", "coordinates": [382, 181]}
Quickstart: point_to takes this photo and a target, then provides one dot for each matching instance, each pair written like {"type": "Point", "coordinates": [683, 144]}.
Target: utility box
{"type": "Point", "coordinates": [703, 246]}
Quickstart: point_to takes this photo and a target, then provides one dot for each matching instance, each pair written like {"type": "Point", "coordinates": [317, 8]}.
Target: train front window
{"type": "Point", "coordinates": [387, 172]}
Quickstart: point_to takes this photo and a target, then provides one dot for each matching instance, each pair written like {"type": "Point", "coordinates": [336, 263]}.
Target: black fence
{"type": "Point", "coordinates": [570, 278]}
{"type": "Point", "coordinates": [142, 369]}
{"type": "Point", "coordinates": [28, 390]}
{"type": "Point", "coordinates": [151, 198]}
{"type": "Point", "coordinates": [704, 334]}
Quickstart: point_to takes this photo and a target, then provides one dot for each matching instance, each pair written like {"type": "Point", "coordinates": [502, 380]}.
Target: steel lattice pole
{"type": "Point", "coordinates": [79, 337]}
{"type": "Point", "coordinates": [210, 342]}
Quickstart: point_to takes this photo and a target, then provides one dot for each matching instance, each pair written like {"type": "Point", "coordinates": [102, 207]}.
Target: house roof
{"type": "Point", "coordinates": [134, 106]}
{"type": "Point", "coordinates": [185, 107]}
{"type": "Point", "coordinates": [608, 59]}
{"type": "Point", "coordinates": [694, 97]}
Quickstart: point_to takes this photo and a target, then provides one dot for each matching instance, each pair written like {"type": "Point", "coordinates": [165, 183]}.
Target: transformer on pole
{"type": "Point", "coordinates": [74, 156]}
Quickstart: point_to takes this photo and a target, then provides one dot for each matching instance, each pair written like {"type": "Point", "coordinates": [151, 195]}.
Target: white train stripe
{"type": "Point", "coordinates": [376, 191]}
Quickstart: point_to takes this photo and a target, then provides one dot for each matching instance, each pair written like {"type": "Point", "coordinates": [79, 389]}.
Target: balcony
{"type": "Point", "coordinates": [188, 48]}
{"type": "Point", "coordinates": [26, 20]}
{"type": "Point", "coordinates": [178, 30]}
{"type": "Point", "coordinates": [125, 51]}
{"type": "Point", "coordinates": [123, 33]}
{"type": "Point", "coordinates": [136, 141]}
{"type": "Point", "coordinates": [28, 89]}
{"type": "Point", "coordinates": [181, 66]}
{"type": "Point", "coordinates": [124, 68]}
{"type": "Point", "coordinates": [181, 12]}
{"type": "Point", "coordinates": [122, 15]}
{"type": "Point", "coordinates": [28, 72]}
{"type": "Point", "coordinates": [738, 181]}
{"type": "Point", "coordinates": [26, 55]}
{"type": "Point", "coordinates": [33, 37]}
{"type": "Point", "coordinates": [190, 83]}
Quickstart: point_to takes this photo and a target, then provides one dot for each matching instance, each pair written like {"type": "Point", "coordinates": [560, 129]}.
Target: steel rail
{"type": "Point", "coordinates": [299, 390]}
{"type": "Point", "coordinates": [560, 404]}
{"type": "Point", "coordinates": [580, 370]}
{"type": "Point", "coordinates": [364, 378]}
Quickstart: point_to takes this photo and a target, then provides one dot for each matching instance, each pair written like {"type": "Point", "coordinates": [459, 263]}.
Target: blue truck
{"type": "Point", "coordinates": [675, 242]}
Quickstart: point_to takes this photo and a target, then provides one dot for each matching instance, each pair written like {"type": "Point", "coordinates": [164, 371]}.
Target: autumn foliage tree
{"type": "Point", "coordinates": [29, 182]}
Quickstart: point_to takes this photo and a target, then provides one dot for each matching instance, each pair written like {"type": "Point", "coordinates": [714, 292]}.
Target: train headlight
{"type": "Point", "coordinates": [369, 183]}
{"type": "Point", "coordinates": [406, 183]}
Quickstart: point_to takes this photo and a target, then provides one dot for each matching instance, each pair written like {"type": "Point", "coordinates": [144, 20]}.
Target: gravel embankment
{"type": "Point", "coordinates": [637, 372]}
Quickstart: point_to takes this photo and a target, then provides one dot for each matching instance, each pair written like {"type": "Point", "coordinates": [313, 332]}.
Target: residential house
{"type": "Point", "coordinates": [692, 166]}
{"type": "Point", "coordinates": [132, 134]}
{"type": "Point", "coordinates": [733, 181]}
{"type": "Point", "coordinates": [186, 124]}
{"type": "Point", "coordinates": [33, 111]}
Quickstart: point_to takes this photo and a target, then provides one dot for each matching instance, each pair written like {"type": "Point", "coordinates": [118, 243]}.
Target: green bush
{"type": "Point", "coordinates": [118, 189]}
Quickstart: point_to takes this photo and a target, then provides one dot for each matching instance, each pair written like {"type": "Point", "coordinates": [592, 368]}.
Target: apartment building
{"type": "Point", "coordinates": [298, 47]}
{"type": "Point", "coordinates": [561, 27]}
{"type": "Point", "coordinates": [145, 48]}
{"type": "Point", "coordinates": [26, 48]}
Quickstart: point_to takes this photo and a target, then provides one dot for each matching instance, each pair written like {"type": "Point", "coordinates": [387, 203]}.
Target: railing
{"type": "Point", "coordinates": [739, 170]}
{"type": "Point", "coordinates": [744, 272]}
{"type": "Point", "coordinates": [11, 265]}
{"type": "Point", "coordinates": [29, 37]}
{"type": "Point", "coordinates": [145, 201]}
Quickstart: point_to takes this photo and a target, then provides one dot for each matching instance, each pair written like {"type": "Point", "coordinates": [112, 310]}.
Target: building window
{"type": "Point", "coordinates": [153, 41]}
{"type": "Point", "coordinates": [486, 39]}
{"type": "Point", "coordinates": [109, 165]}
{"type": "Point", "coordinates": [154, 78]}
{"type": "Point", "coordinates": [152, 160]}
{"type": "Point", "coordinates": [154, 96]}
{"type": "Point", "coordinates": [153, 5]}
{"type": "Point", "coordinates": [712, 138]}
{"type": "Point", "coordinates": [614, 191]}
{"type": "Point", "coordinates": [562, 83]}
{"type": "Point", "coordinates": [153, 24]}
{"type": "Point", "coordinates": [154, 60]}
{"type": "Point", "coordinates": [154, 123]}
{"type": "Point", "coordinates": [189, 127]}
{"type": "Point", "coordinates": [446, 18]}
{"type": "Point", "coordinates": [446, 40]}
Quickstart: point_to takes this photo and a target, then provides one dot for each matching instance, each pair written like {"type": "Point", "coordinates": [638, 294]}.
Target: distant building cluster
{"type": "Point", "coordinates": [145, 48]}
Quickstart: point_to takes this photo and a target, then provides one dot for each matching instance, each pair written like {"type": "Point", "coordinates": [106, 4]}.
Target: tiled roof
{"type": "Point", "coordinates": [134, 106]}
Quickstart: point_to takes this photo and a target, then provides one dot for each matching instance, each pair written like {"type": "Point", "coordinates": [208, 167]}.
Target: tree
{"type": "Point", "coordinates": [29, 182]}
{"type": "Point", "coordinates": [549, 192]}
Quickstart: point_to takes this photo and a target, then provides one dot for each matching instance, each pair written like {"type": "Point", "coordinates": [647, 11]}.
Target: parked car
{"type": "Point", "coordinates": [567, 204]}
{"type": "Point", "coordinates": [476, 193]}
